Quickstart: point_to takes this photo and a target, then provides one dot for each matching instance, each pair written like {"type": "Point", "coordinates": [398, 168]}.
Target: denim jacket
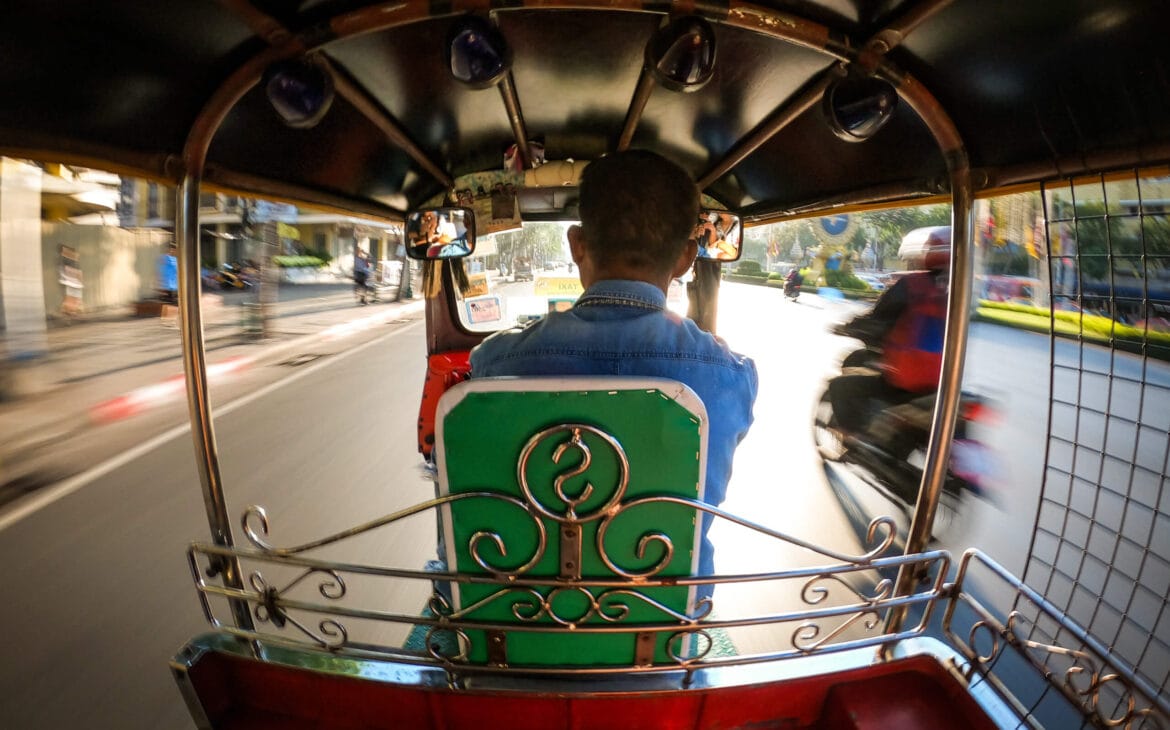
{"type": "Point", "coordinates": [621, 327]}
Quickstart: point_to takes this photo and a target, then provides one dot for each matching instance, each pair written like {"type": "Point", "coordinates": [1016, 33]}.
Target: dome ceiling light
{"type": "Point", "coordinates": [301, 91]}
{"type": "Point", "coordinates": [856, 107]}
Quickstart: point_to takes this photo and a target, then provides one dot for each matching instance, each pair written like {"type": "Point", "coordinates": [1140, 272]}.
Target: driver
{"type": "Point", "coordinates": [638, 212]}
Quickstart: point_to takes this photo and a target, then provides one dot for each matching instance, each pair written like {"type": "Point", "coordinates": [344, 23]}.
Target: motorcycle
{"type": "Point", "coordinates": [889, 451]}
{"type": "Point", "coordinates": [792, 288]}
{"type": "Point", "coordinates": [235, 276]}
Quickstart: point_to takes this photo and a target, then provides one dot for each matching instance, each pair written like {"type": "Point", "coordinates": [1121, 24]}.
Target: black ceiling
{"type": "Point", "coordinates": [1030, 85]}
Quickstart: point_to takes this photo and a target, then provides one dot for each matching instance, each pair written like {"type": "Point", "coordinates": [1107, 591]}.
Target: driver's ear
{"type": "Point", "coordinates": [687, 259]}
{"type": "Point", "coordinates": [576, 243]}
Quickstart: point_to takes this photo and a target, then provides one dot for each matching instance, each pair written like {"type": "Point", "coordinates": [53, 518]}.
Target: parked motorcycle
{"type": "Point", "coordinates": [889, 452]}
{"type": "Point", "coordinates": [235, 276]}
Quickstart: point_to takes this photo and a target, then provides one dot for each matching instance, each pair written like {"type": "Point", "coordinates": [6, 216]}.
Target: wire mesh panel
{"type": "Point", "coordinates": [1102, 538]}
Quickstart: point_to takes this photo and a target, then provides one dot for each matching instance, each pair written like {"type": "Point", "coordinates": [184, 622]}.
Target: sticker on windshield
{"type": "Point", "coordinates": [551, 286]}
{"type": "Point", "coordinates": [485, 309]}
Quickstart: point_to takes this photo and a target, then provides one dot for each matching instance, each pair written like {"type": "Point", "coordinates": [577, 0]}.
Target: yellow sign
{"type": "Point", "coordinates": [552, 286]}
{"type": "Point", "coordinates": [284, 230]}
{"type": "Point", "coordinates": [478, 285]}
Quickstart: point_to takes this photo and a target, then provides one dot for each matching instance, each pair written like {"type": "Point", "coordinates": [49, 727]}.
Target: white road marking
{"type": "Point", "coordinates": [42, 498]}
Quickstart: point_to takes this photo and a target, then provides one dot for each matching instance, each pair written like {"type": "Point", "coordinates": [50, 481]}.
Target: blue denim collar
{"type": "Point", "coordinates": [623, 293]}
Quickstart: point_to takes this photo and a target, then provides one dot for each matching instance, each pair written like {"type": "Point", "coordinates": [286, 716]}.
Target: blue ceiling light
{"type": "Point", "coordinates": [300, 90]}
{"type": "Point", "coordinates": [477, 53]}
{"type": "Point", "coordinates": [681, 54]}
{"type": "Point", "coordinates": [856, 107]}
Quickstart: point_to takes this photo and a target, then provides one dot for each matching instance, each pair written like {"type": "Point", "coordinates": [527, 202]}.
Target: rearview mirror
{"type": "Point", "coordinates": [718, 234]}
{"type": "Point", "coordinates": [440, 233]}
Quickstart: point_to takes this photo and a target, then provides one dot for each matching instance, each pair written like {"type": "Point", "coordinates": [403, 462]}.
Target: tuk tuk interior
{"type": "Point", "coordinates": [781, 111]}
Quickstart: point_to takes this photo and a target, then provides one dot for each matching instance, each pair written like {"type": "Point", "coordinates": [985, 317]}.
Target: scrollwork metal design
{"type": "Point", "coordinates": [1083, 679]}
{"type": "Point", "coordinates": [676, 647]}
{"type": "Point", "coordinates": [435, 647]}
{"type": "Point", "coordinates": [807, 636]}
{"type": "Point", "coordinates": [270, 608]}
{"type": "Point", "coordinates": [530, 605]}
{"type": "Point", "coordinates": [571, 503]}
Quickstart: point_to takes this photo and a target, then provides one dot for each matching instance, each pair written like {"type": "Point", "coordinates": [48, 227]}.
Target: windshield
{"type": "Point", "coordinates": [523, 274]}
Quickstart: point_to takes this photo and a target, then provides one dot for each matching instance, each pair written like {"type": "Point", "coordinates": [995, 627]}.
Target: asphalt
{"type": "Point", "coordinates": [94, 366]}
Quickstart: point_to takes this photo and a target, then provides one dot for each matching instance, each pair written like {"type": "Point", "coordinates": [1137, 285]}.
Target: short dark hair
{"type": "Point", "coordinates": [638, 207]}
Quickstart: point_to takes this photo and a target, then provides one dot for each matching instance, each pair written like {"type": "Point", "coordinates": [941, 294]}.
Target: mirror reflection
{"type": "Point", "coordinates": [718, 234]}
{"type": "Point", "coordinates": [440, 233]}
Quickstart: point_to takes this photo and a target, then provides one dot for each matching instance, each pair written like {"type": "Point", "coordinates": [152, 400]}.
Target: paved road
{"type": "Point", "coordinates": [98, 595]}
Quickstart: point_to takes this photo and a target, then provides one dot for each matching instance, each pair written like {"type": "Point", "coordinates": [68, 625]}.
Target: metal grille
{"type": "Point", "coordinates": [1102, 538]}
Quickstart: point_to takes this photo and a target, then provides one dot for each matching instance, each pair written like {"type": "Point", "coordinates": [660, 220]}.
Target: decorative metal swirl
{"type": "Point", "coordinates": [571, 503]}
{"type": "Point", "coordinates": [435, 647]}
{"type": "Point", "coordinates": [270, 609]}
{"type": "Point", "coordinates": [993, 637]}
{"type": "Point", "coordinates": [807, 637]}
{"type": "Point", "coordinates": [332, 587]}
{"type": "Point", "coordinates": [676, 644]}
{"type": "Point", "coordinates": [1083, 679]}
{"type": "Point", "coordinates": [439, 605]}
{"type": "Point", "coordinates": [813, 592]}
{"type": "Point", "coordinates": [611, 606]}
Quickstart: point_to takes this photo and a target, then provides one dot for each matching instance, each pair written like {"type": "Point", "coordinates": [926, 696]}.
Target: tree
{"type": "Point", "coordinates": [890, 225]}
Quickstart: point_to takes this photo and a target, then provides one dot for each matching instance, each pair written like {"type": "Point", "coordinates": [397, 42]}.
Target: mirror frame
{"type": "Point", "coordinates": [737, 226]}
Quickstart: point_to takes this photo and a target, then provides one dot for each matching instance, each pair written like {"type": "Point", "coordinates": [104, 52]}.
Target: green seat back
{"type": "Point", "coordinates": [496, 435]}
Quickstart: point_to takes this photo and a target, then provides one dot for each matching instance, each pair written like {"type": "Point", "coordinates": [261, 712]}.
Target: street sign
{"type": "Point", "coordinates": [264, 211]}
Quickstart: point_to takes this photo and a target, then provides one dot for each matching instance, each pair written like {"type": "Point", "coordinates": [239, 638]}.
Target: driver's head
{"type": "Point", "coordinates": [638, 211]}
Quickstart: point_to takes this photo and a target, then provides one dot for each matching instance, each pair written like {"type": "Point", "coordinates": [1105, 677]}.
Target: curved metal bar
{"type": "Point", "coordinates": [195, 367]}
{"type": "Point", "coordinates": [642, 93]}
{"type": "Point", "coordinates": [511, 101]}
{"type": "Point", "coordinates": [373, 110]}
{"type": "Point", "coordinates": [884, 524]}
{"type": "Point", "coordinates": [261, 515]}
{"type": "Point", "coordinates": [943, 421]}
{"type": "Point", "coordinates": [782, 117]}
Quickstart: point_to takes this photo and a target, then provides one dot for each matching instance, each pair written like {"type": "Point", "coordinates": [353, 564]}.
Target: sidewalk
{"type": "Point", "coordinates": [94, 365]}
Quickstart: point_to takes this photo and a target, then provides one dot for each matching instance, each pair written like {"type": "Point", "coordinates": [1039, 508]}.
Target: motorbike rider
{"type": "Point", "coordinates": [906, 325]}
{"type": "Point", "coordinates": [793, 281]}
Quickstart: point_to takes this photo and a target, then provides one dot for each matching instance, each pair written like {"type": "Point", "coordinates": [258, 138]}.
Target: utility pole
{"type": "Point", "coordinates": [261, 229]}
{"type": "Point", "coordinates": [268, 279]}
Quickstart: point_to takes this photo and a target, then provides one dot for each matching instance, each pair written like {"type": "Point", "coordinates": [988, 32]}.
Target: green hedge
{"type": "Point", "coordinates": [1095, 328]}
{"type": "Point", "coordinates": [298, 262]}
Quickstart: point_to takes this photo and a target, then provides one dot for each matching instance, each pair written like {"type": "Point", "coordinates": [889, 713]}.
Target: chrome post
{"type": "Point", "coordinates": [942, 426]}
{"type": "Point", "coordinates": [198, 403]}
{"type": "Point", "coordinates": [946, 408]}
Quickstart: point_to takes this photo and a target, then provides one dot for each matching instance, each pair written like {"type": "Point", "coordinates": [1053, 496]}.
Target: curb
{"type": "Point", "coordinates": [146, 396]}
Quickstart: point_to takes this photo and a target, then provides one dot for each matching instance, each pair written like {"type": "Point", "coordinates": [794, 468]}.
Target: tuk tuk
{"type": "Point", "coordinates": [566, 510]}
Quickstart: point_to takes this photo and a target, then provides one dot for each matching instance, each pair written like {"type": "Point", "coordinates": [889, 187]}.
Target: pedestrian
{"type": "Point", "coordinates": [361, 274]}
{"type": "Point", "coordinates": [168, 275]}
